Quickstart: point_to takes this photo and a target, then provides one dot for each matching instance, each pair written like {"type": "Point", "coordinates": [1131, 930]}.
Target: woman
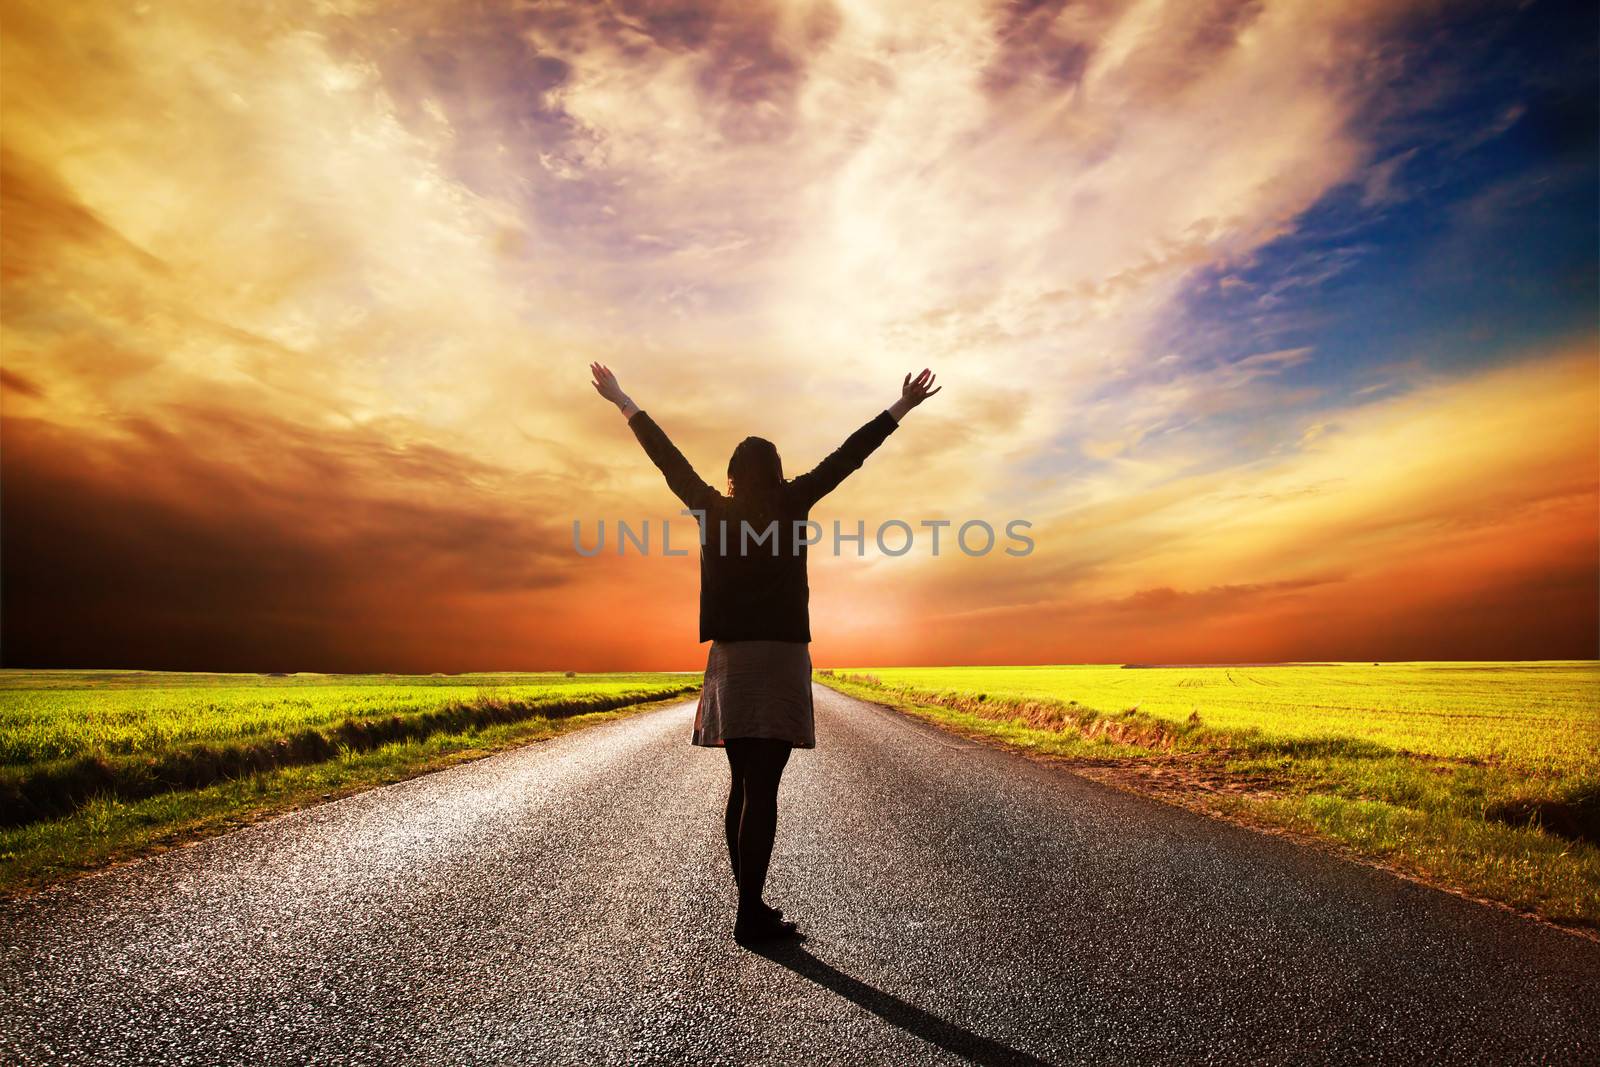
{"type": "Point", "coordinates": [756, 702]}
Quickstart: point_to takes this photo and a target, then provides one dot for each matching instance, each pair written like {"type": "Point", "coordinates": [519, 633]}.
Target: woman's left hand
{"type": "Point", "coordinates": [913, 391]}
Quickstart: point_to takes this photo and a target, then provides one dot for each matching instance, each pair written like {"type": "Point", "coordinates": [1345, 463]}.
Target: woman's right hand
{"type": "Point", "coordinates": [605, 383]}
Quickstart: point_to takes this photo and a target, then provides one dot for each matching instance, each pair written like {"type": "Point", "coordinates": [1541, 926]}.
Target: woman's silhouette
{"type": "Point", "coordinates": [756, 702]}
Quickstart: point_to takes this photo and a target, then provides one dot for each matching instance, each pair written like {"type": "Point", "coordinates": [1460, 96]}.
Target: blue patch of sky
{"type": "Point", "coordinates": [1474, 236]}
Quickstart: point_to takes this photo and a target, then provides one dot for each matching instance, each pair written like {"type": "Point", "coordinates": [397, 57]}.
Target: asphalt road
{"type": "Point", "coordinates": [570, 903]}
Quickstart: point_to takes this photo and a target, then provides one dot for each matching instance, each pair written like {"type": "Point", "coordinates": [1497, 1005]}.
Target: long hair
{"type": "Point", "coordinates": [755, 473]}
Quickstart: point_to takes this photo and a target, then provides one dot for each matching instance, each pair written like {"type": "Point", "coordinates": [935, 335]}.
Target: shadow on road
{"type": "Point", "coordinates": [890, 1008]}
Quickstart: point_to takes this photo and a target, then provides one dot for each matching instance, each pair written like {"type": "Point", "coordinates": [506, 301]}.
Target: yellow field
{"type": "Point", "coordinates": [1533, 714]}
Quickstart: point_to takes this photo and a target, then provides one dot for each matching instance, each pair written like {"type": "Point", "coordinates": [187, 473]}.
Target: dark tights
{"type": "Point", "coordinates": [756, 766]}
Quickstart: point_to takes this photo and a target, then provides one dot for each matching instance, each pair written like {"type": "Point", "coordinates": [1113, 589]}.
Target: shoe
{"type": "Point", "coordinates": [769, 927]}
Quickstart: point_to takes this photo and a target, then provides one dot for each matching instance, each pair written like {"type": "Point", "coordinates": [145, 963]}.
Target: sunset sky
{"type": "Point", "coordinates": [1277, 320]}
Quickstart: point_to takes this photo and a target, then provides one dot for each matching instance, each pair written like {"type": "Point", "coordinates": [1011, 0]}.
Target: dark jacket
{"type": "Point", "coordinates": [760, 594]}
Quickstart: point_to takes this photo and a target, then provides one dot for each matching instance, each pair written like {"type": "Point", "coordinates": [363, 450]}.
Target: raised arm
{"type": "Point", "coordinates": [848, 457]}
{"type": "Point", "coordinates": [688, 486]}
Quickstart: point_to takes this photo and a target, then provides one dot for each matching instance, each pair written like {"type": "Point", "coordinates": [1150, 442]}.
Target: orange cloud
{"type": "Point", "coordinates": [1458, 520]}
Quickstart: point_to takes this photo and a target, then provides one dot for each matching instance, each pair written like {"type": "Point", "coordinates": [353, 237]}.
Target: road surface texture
{"type": "Point", "coordinates": [570, 902]}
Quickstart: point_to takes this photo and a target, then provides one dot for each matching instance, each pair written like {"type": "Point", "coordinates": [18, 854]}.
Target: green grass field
{"type": "Point", "coordinates": [95, 765]}
{"type": "Point", "coordinates": [49, 715]}
{"type": "Point", "coordinates": [1484, 777]}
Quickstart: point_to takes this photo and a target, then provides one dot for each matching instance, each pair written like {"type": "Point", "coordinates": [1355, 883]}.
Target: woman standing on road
{"type": "Point", "coordinates": [756, 702]}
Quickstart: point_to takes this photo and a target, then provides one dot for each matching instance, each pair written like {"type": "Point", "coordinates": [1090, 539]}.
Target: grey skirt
{"type": "Point", "coordinates": [756, 689]}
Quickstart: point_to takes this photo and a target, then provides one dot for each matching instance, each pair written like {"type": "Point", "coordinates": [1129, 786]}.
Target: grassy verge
{"type": "Point", "coordinates": [1516, 833]}
{"type": "Point", "coordinates": [106, 829]}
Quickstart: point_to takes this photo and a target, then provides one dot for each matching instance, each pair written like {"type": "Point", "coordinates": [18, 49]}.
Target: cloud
{"type": "Point", "coordinates": [299, 549]}
{"type": "Point", "coordinates": [317, 284]}
{"type": "Point", "coordinates": [1176, 606]}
